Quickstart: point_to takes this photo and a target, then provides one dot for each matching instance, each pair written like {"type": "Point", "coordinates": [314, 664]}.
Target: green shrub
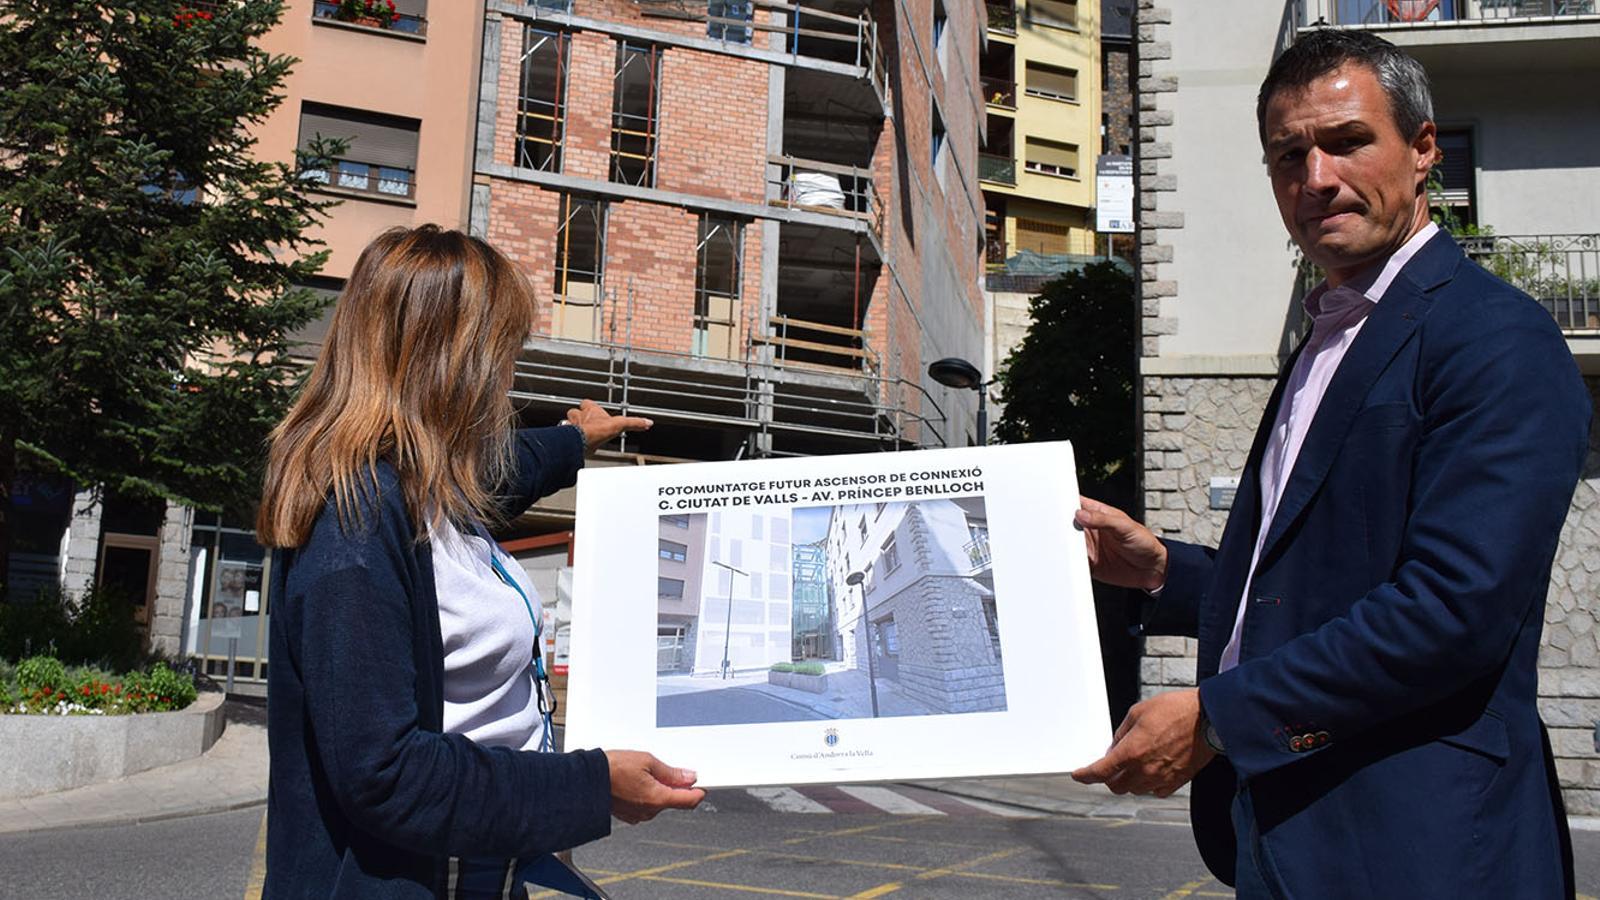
{"type": "Point", "coordinates": [99, 629]}
{"type": "Point", "coordinates": [38, 673]}
{"type": "Point", "coordinates": [783, 667]}
{"type": "Point", "coordinates": [809, 667]}
{"type": "Point", "coordinates": [174, 690]}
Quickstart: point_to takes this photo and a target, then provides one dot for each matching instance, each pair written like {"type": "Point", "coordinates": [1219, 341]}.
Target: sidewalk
{"type": "Point", "coordinates": [231, 775]}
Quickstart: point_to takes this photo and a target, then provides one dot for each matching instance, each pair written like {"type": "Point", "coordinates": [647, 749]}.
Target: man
{"type": "Point", "coordinates": [1365, 721]}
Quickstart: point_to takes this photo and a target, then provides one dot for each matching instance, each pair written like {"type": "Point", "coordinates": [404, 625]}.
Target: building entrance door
{"type": "Point", "coordinates": [886, 649]}
{"type": "Point", "coordinates": [128, 567]}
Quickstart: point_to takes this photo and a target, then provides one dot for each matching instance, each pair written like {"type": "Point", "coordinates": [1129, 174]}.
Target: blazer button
{"type": "Point", "coordinates": [1297, 743]}
{"type": "Point", "coordinates": [1322, 738]}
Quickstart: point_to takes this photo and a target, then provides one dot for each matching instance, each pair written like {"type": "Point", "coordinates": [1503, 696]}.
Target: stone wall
{"type": "Point", "coordinates": [82, 551]}
{"type": "Point", "coordinates": [1569, 656]}
{"type": "Point", "coordinates": [172, 581]}
{"type": "Point", "coordinates": [1195, 429]}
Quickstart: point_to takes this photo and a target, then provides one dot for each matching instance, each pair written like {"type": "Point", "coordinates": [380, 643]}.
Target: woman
{"type": "Point", "coordinates": [404, 720]}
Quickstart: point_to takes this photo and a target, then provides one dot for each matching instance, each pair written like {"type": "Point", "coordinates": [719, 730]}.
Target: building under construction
{"type": "Point", "coordinates": [754, 222]}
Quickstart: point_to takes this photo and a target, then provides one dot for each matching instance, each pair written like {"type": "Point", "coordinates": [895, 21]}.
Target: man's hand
{"type": "Point", "coordinates": [1157, 749]}
{"type": "Point", "coordinates": [600, 426]}
{"type": "Point", "coordinates": [1121, 551]}
{"type": "Point", "coordinates": [642, 786]}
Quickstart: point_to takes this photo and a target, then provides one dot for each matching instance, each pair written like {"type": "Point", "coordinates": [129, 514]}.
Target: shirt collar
{"type": "Point", "coordinates": [1372, 283]}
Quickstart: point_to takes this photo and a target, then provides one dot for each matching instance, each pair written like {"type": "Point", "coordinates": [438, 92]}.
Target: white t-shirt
{"type": "Point", "coordinates": [488, 642]}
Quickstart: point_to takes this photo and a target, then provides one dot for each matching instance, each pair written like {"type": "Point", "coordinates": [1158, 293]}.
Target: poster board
{"type": "Point", "coordinates": [938, 603]}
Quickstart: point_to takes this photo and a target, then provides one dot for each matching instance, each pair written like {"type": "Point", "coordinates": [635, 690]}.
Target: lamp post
{"type": "Point", "coordinates": [727, 627]}
{"type": "Point", "coordinates": [856, 579]}
{"type": "Point", "coordinates": [955, 372]}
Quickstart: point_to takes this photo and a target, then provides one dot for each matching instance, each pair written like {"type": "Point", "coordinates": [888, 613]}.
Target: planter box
{"type": "Point", "coordinates": [814, 684]}
{"type": "Point", "coordinates": [44, 754]}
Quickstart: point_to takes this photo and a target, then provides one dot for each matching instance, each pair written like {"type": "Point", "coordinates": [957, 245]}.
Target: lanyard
{"type": "Point", "coordinates": [541, 681]}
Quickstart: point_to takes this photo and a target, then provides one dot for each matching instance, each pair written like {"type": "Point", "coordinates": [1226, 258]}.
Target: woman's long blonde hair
{"type": "Point", "coordinates": [415, 370]}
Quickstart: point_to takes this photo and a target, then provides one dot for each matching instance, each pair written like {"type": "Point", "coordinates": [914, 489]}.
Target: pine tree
{"type": "Point", "coordinates": [148, 260]}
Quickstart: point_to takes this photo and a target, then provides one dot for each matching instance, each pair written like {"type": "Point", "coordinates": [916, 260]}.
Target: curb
{"type": "Point", "coordinates": [1082, 809]}
{"type": "Point", "coordinates": [118, 821]}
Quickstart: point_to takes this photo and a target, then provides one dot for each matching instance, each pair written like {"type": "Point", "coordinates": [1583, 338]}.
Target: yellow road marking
{"type": "Point", "coordinates": [878, 891]}
{"type": "Point", "coordinates": [258, 865]}
{"type": "Point", "coordinates": [750, 889]}
{"type": "Point", "coordinates": [958, 867]}
{"type": "Point", "coordinates": [1187, 890]}
{"type": "Point", "coordinates": [859, 829]}
{"type": "Point", "coordinates": [653, 870]}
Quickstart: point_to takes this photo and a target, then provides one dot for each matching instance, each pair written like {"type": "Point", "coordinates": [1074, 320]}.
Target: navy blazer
{"type": "Point", "coordinates": [366, 797]}
{"type": "Point", "coordinates": [1383, 716]}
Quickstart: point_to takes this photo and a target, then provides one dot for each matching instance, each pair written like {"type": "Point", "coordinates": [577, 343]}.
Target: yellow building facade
{"type": "Point", "coordinates": [1041, 75]}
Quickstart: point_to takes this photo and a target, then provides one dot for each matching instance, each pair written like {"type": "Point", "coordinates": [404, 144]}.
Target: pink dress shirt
{"type": "Point", "coordinates": [1337, 315]}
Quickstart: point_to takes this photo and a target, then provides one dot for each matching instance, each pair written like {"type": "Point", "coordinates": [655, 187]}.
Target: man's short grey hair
{"type": "Point", "coordinates": [1316, 54]}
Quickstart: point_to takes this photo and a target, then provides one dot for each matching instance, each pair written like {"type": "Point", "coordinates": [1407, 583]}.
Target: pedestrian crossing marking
{"type": "Point", "coordinates": [889, 801]}
{"type": "Point", "coordinates": [786, 799]}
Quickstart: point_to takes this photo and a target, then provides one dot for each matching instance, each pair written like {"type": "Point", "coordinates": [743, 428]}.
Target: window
{"type": "Point", "coordinates": [677, 521]}
{"type": "Point", "coordinates": [1044, 238]}
{"type": "Point", "coordinates": [580, 258]}
{"type": "Point", "coordinates": [729, 20]}
{"type": "Point", "coordinates": [937, 143]}
{"type": "Point", "coordinates": [669, 588]}
{"type": "Point", "coordinates": [877, 510]}
{"type": "Point", "coordinates": [941, 22]}
{"type": "Point", "coordinates": [542, 99]}
{"type": "Point", "coordinates": [1055, 13]}
{"type": "Point", "coordinates": [891, 555]}
{"type": "Point", "coordinates": [863, 530]}
{"type": "Point", "coordinates": [1051, 82]}
{"type": "Point", "coordinates": [718, 275]}
{"type": "Point", "coordinates": [379, 156]}
{"type": "Point", "coordinates": [410, 16]}
{"type": "Point", "coordinates": [673, 550]}
{"type": "Point", "coordinates": [636, 106]}
{"type": "Point", "coordinates": [306, 341]}
{"type": "Point", "coordinates": [1451, 184]}
{"type": "Point", "coordinates": [1051, 158]}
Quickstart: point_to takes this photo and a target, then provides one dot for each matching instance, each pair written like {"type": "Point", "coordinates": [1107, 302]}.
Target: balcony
{"type": "Point", "coordinates": [1002, 18]}
{"type": "Point", "coordinates": [1561, 271]}
{"type": "Point", "coordinates": [1385, 13]}
{"type": "Point", "coordinates": [353, 13]}
{"type": "Point", "coordinates": [379, 182]}
{"type": "Point", "coordinates": [997, 169]}
{"type": "Point", "coordinates": [811, 186]}
{"type": "Point", "coordinates": [1000, 92]}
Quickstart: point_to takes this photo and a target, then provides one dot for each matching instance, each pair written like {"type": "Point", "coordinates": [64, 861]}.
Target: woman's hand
{"type": "Point", "coordinates": [600, 426]}
{"type": "Point", "coordinates": [642, 786]}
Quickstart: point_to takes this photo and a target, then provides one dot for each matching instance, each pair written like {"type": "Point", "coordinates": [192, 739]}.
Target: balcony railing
{"type": "Point", "coordinates": [1561, 271]}
{"type": "Point", "coordinates": [817, 345]}
{"type": "Point", "coordinates": [365, 178]}
{"type": "Point", "coordinates": [1002, 17]}
{"type": "Point", "coordinates": [401, 22]}
{"type": "Point", "coordinates": [1001, 92]}
{"type": "Point", "coordinates": [998, 169]}
{"type": "Point", "coordinates": [813, 186]}
{"type": "Point", "coordinates": [1372, 13]}
{"type": "Point", "coordinates": [978, 552]}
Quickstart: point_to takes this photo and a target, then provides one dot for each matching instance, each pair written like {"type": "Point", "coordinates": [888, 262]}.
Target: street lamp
{"type": "Point", "coordinates": [855, 579]}
{"type": "Point", "coordinates": [727, 628]}
{"type": "Point", "coordinates": [955, 372]}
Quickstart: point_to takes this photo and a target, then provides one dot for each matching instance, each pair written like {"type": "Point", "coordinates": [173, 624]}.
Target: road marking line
{"type": "Point", "coordinates": [958, 867]}
{"type": "Point", "coordinates": [889, 801]}
{"type": "Point", "coordinates": [878, 891]}
{"type": "Point", "coordinates": [841, 832]}
{"type": "Point", "coordinates": [786, 799]}
{"type": "Point", "coordinates": [1186, 890]}
{"type": "Point", "coordinates": [995, 809]}
{"type": "Point", "coordinates": [653, 870]}
{"type": "Point", "coordinates": [749, 889]}
{"type": "Point", "coordinates": [258, 865]}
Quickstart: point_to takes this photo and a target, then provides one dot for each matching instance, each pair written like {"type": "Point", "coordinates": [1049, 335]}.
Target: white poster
{"type": "Point", "coordinates": [1113, 194]}
{"type": "Point", "coordinates": [846, 618]}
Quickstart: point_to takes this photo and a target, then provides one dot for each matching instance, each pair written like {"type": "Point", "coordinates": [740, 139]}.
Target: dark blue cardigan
{"type": "Point", "coordinates": [367, 798]}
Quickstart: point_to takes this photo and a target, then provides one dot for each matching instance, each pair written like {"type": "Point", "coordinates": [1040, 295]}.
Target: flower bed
{"type": "Point", "coordinates": [41, 685]}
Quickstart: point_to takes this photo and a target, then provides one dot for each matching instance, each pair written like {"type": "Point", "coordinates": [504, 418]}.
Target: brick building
{"type": "Point", "coordinates": [754, 224]}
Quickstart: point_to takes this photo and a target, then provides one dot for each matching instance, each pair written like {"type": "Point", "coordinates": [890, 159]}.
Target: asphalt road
{"type": "Point", "coordinates": [735, 847]}
{"type": "Point", "coordinates": [729, 705]}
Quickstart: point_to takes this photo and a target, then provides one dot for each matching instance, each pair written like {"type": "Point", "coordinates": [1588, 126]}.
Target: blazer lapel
{"type": "Point", "coordinates": [1387, 328]}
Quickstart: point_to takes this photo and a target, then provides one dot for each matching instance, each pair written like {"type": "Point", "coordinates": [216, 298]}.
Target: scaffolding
{"type": "Point", "coordinates": [542, 98]}
{"type": "Point", "coordinates": [636, 113]}
{"type": "Point", "coordinates": [761, 394]}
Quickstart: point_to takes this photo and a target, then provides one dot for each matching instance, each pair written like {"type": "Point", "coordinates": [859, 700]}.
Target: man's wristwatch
{"type": "Point", "coordinates": [1209, 732]}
